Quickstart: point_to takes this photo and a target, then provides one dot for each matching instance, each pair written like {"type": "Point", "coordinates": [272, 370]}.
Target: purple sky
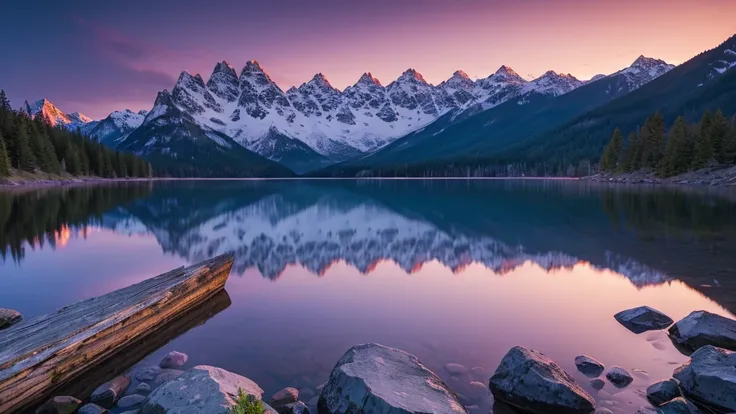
{"type": "Point", "coordinates": [98, 56]}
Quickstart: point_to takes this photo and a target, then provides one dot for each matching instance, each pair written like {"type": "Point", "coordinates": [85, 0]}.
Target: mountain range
{"type": "Point", "coordinates": [244, 124]}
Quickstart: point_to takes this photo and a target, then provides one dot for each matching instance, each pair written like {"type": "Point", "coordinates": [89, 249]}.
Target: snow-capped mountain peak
{"type": "Point", "coordinates": [55, 116]}
{"type": "Point", "coordinates": [553, 83]}
{"type": "Point", "coordinates": [368, 79]}
{"type": "Point", "coordinates": [320, 81]}
{"type": "Point", "coordinates": [411, 75]}
{"type": "Point", "coordinates": [225, 67]}
{"type": "Point", "coordinates": [460, 74]}
{"type": "Point", "coordinates": [252, 66]}
{"type": "Point", "coordinates": [505, 72]}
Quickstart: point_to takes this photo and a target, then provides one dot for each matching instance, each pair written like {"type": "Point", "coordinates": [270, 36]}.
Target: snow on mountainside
{"type": "Point", "coordinates": [552, 83]}
{"type": "Point", "coordinates": [117, 126]}
{"type": "Point", "coordinates": [54, 115]}
{"type": "Point", "coordinates": [642, 71]}
{"type": "Point", "coordinates": [727, 62]}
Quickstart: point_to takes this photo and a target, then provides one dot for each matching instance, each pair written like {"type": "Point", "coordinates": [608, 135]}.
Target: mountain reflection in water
{"type": "Point", "coordinates": [453, 271]}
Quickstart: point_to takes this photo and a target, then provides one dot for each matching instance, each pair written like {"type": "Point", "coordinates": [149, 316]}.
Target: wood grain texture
{"type": "Point", "coordinates": [40, 355]}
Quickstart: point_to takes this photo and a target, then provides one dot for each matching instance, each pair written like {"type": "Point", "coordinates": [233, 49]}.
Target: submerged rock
{"type": "Point", "coordinates": [130, 401]}
{"type": "Point", "coordinates": [477, 391]}
{"type": "Point", "coordinates": [619, 377]}
{"type": "Point", "coordinates": [203, 389]}
{"type": "Point", "coordinates": [710, 377]}
{"type": "Point", "coordinates": [107, 394]}
{"type": "Point", "coordinates": [282, 398]}
{"type": "Point", "coordinates": [479, 374]}
{"type": "Point", "coordinates": [299, 408]}
{"type": "Point", "coordinates": [166, 375]}
{"type": "Point", "coordinates": [9, 317]}
{"type": "Point", "coordinates": [91, 409]}
{"type": "Point", "coordinates": [643, 319]}
{"type": "Point", "coordinates": [589, 366]}
{"type": "Point", "coordinates": [597, 384]}
{"type": "Point", "coordinates": [663, 391]}
{"type": "Point", "coordinates": [456, 369]}
{"type": "Point", "coordinates": [60, 405]}
{"type": "Point", "coordinates": [142, 388]}
{"type": "Point", "coordinates": [173, 360]}
{"type": "Point", "coordinates": [148, 374]}
{"type": "Point", "coordinates": [530, 381]}
{"type": "Point", "coordinates": [678, 405]}
{"type": "Point", "coordinates": [372, 378]}
{"type": "Point", "coordinates": [701, 328]}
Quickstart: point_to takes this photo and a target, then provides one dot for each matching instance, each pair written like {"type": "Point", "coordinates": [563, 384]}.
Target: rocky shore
{"type": "Point", "coordinates": [45, 181]}
{"type": "Point", "coordinates": [372, 378]}
{"type": "Point", "coordinates": [712, 176]}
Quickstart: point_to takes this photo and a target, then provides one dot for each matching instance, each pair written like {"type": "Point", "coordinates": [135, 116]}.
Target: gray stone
{"type": "Point", "coordinates": [9, 317]}
{"type": "Point", "coordinates": [92, 409]}
{"type": "Point", "coordinates": [107, 394]}
{"type": "Point", "coordinates": [710, 377]}
{"type": "Point", "coordinates": [130, 401]}
{"type": "Point", "coordinates": [678, 405]}
{"type": "Point", "coordinates": [281, 399]}
{"type": "Point", "coordinates": [381, 380]}
{"type": "Point", "coordinates": [142, 388]}
{"type": "Point", "coordinates": [619, 377]}
{"type": "Point", "coordinates": [456, 369]}
{"type": "Point", "coordinates": [597, 384]}
{"type": "Point", "coordinates": [701, 328]}
{"type": "Point", "coordinates": [166, 375]}
{"type": "Point", "coordinates": [59, 405]}
{"type": "Point", "coordinates": [589, 366]}
{"type": "Point", "coordinates": [530, 381]}
{"type": "Point", "coordinates": [477, 391]}
{"type": "Point", "coordinates": [663, 391]}
{"type": "Point", "coordinates": [295, 408]}
{"type": "Point", "coordinates": [148, 374]}
{"type": "Point", "coordinates": [643, 319]}
{"type": "Point", "coordinates": [479, 374]}
{"type": "Point", "coordinates": [202, 389]}
{"type": "Point", "coordinates": [173, 360]}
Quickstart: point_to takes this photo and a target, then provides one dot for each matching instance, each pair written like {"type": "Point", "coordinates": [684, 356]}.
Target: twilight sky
{"type": "Point", "coordinates": [98, 56]}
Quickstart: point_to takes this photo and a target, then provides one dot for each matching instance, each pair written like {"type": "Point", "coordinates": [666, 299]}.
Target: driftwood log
{"type": "Point", "coordinates": [43, 354]}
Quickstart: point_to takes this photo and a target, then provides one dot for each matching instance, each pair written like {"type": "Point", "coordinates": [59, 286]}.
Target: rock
{"type": "Point", "coordinates": [148, 374]}
{"type": "Point", "coordinates": [107, 394]}
{"type": "Point", "coordinates": [619, 377]}
{"type": "Point", "coordinates": [295, 408]}
{"type": "Point", "coordinates": [589, 366]}
{"type": "Point", "coordinates": [678, 405]}
{"type": "Point", "coordinates": [59, 405]}
{"type": "Point", "coordinates": [643, 319]}
{"type": "Point", "coordinates": [131, 412]}
{"type": "Point", "coordinates": [479, 374]}
{"type": "Point", "coordinates": [202, 389]}
{"type": "Point", "coordinates": [282, 398]}
{"type": "Point", "coordinates": [320, 387]}
{"type": "Point", "coordinates": [603, 411]}
{"type": "Point", "coordinates": [710, 377]}
{"type": "Point", "coordinates": [173, 360]}
{"type": "Point", "coordinates": [92, 409]}
{"type": "Point", "coordinates": [701, 328]}
{"type": "Point", "coordinates": [477, 391]}
{"type": "Point", "coordinates": [166, 375]}
{"type": "Point", "coordinates": [663, 391]}
{"type": "Point", "coordinates": [306, 393]}
{"type": "Point", "coordinates": [9, 317]}
{"type": "Point", "coordinates": [456, 369]}
{"type": "Point", "coordinates": [130, 401]}
{"type": "Point", "coordinates": [142, 388]}
{"type": "Point", "coordinates": [597, 384]}
{"type": "Point", "coordinates": [378, 379]}
{"type": "Point", "coordinates": [530, 381]}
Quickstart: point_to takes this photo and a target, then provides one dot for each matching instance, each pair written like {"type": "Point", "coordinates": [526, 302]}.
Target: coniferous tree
{"type": "Point", "coordinates": [703, 145]}
{"type": "Point", "coordinates": [717, 135]}
{"type": "Point", "coordinates": [678, 153]}
{"type": "Point", "coordinates": [652, 141]}
{"type": "Point", "coordinates": [4, 102]}
{"type": "Point", "coordinates": [629, 162]}
{"type": "Point", "coordinates": [23, 153]}
{"type": "Point", "coordinates": [729, 146]}
{"type": "Point", "coordinates": [4, 158]}
{"type": "Point", "coordinates": [73, 165]}
{"type": "Point", "coordinates": [612, 153]}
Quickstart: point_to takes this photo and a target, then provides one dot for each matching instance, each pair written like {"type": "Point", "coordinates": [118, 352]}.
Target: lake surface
{"type": "Point", "coordinates": [449, 270]}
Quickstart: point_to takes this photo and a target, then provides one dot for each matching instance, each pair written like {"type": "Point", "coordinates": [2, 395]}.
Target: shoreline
{"type": "Point", "coordinates": [22, 183]}
{"type": "Point", "coordinates": [706, 177]}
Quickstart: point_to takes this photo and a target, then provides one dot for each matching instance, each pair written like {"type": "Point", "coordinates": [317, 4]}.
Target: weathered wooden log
{"type": "Point", "coordinates": [40, 355]}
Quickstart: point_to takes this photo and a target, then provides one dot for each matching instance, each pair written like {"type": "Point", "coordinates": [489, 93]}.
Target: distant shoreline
{"type": "Point", "coordinates": [706, 177]}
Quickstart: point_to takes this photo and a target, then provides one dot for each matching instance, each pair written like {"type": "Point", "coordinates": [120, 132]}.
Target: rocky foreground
{"type": "Point", "coordinates": [712, 176]}
{"type": "Point", "coordinates": [372, 378]}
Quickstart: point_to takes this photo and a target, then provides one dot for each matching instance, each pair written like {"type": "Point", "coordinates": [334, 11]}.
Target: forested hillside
{"type": "Point", "coordinates": [34, 145]}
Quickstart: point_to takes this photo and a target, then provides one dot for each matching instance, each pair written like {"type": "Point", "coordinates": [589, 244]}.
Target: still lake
{"type": "Point", "coordinates": [449, 270]}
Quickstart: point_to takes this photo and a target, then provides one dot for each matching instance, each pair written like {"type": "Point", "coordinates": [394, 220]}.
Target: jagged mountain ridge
{"type": "Point", "coordinates": [338, 125]}
{"type": "Point", "coordinates": [56, 117]}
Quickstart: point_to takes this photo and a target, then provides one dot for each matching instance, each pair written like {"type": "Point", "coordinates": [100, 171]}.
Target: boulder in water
{"type": "Point", "coordinates": [60, 405]}
{"type": "Point", "coordinates": [710, 377]}
{"type": "Point", "coordinates": [9, 317]}
{"type": "Point", "coordinates": [678, 405]}
{"type": "Point", "coordinates": [619, 377]}
{"type": "Point", "coordinates": [643, 319]}
{"type": "Point", "coordinates": [91, 409]}
{"type": "Point", "coordinates": [173, 360]}
{"type": "Point", "coordinates": [663, 391]}
{"type": "Point", "coordinates": [701, 328]}
{"type": "Point", "coordinates": [530, 381]}
{"type": "Point", "coordinates": [281, 399]}
{"type": "Point", "coordinates": [372, 378]}
{"type": "Point", "coordinates": [107, 394]}
{"type": "Point", "coordinates": [589, 366]}
{"type": "Point", "coordinates": [203, 389]}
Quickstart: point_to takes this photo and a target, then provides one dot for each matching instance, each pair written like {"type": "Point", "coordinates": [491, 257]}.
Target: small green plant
{"type": "Point", "coordinates": [246, 404]}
